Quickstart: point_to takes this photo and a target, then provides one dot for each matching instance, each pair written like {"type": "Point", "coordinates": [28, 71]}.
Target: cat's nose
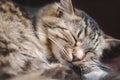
{"type": "Point", "coordinates": [78, 55]}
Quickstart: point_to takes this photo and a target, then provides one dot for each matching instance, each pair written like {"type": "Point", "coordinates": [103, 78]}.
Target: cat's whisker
{"type": "Point", "coordinates": [65, 52]}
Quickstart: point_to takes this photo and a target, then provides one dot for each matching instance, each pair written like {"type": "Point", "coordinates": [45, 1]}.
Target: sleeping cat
{"type": "Point", "coordinates": [59, 38]}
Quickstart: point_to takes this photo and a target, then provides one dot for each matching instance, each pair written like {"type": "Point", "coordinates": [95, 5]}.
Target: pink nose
{"type": "Point", "coordinates": [78, 54]}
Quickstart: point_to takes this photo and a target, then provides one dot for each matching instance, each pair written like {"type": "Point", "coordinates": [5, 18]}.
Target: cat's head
{"type": "Point", "coordinates": [62, 23]}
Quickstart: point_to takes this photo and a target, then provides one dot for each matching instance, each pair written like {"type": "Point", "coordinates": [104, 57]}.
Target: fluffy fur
{"type": "Point", "coordinates": [59, 38]}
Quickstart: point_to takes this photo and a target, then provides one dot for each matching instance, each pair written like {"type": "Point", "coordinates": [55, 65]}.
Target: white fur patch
{"type": "Point", "coordinates": [95, 75]}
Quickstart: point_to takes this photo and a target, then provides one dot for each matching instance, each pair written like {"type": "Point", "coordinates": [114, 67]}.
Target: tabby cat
{"type": "Point", "coordinates": [57, 39]}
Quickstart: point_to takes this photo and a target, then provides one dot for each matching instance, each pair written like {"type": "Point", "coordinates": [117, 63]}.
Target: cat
{"type": "Point", "coordinates": [58, 38]}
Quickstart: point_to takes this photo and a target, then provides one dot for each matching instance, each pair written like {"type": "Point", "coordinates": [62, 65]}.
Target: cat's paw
{"type": "Point", "coordinates": [95, 75]}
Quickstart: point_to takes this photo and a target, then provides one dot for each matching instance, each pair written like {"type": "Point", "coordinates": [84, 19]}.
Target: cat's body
{"type": "Point", "coordinates": [60, 37]}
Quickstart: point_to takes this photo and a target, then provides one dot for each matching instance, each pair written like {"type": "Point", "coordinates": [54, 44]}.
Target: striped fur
{"type": "Point", "coordinates": [58, 38]}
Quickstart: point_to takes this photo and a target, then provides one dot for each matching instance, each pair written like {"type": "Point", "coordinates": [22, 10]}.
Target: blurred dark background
{"type": "Point", "coordinates": [105, 12]}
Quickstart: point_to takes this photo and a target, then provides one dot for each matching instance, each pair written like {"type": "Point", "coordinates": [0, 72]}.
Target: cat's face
{"type": "Point", "coordinates": [64, 26]}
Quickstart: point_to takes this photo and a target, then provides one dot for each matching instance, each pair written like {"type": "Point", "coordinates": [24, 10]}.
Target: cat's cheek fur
{"type": "Point", "coordinates": [95, 75]}
{"type": "Point", "coordinates": [61, 56]}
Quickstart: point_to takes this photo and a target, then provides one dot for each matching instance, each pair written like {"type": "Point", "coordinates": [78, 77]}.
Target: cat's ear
{"type": "Point", "coordinates": [112, 49]}
{"type": "Point", "coordinates": [111, 53]}
{"type": "Point", "coordinates": [67, 6]}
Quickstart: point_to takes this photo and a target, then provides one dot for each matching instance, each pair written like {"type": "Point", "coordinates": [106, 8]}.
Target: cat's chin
{"type": "Point", "coordinates": [95, 75]}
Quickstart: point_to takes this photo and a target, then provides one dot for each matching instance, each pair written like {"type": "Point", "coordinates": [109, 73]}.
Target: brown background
{"type": "Point", "coordinates": [105, 12]}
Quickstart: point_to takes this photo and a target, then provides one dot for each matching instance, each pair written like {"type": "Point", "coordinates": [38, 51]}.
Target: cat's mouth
{"type": "Point", "coordinates": [88, 56]}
